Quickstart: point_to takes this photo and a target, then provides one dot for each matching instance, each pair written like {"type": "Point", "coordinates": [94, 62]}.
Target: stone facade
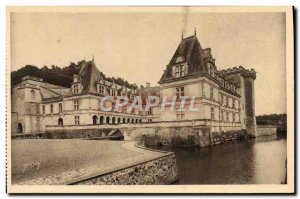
{"type": "Point", "coordinates": [225, 98]}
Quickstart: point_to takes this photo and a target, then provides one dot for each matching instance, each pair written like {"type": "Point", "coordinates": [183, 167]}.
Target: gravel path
{"type": "Point", "coordinates": [44, 162]}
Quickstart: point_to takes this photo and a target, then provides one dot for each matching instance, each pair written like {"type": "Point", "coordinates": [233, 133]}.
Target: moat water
{"type": "Point", "coordinates": [255, 161]}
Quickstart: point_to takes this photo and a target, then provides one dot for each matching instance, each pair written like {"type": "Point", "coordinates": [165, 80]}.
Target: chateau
{"type": "Point", "coordinates": [225, 98]}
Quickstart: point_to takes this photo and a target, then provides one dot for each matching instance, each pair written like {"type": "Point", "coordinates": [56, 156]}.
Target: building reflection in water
{"type": "Point", "coordinates": [257, 161]}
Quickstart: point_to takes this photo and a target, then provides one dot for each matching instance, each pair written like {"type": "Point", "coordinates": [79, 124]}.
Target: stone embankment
{"type": "Point", "coordinates": [160, 171]}
{"type": "Point", "coordinates": [263, 130]}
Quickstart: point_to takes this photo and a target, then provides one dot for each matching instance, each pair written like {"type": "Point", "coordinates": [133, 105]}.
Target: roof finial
{"type": "Point", "coordinates": [195, 31]}
{"type": "Point", "coordinates": [182, 35]}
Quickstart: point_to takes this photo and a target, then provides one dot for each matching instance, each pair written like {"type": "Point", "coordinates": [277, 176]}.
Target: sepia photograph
{"type": "Point", "coordinates": [150, 100]}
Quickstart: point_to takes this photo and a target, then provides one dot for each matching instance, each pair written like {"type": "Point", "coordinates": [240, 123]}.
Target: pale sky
{"type": "Point", "coordinates": [138, 46]}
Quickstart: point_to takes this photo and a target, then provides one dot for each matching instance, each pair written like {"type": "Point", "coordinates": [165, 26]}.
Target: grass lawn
{"type": "Point", "coordinates": [35, 158]}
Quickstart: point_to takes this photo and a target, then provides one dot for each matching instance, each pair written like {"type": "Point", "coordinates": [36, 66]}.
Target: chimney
{"type": "Point", "coordinates": [147, 85]}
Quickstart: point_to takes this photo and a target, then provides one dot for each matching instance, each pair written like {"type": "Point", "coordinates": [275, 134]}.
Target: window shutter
{"type": "Point", "coordinates": [173, 71]}
{"type": "Point", "coordinates": [185, 69]}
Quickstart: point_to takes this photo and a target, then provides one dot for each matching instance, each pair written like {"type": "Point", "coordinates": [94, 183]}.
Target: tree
{"type": "Point", "coordinates": [59, 76]}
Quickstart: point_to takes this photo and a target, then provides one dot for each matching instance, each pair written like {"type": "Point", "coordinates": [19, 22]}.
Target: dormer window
{"type": "Point", "coordinates": [113, 93]}
{"type": "Point", "coordinates": [179, 71]}
{"type": "Point", "coordinates": [76, 89]}
{"type": "Point", "coordinates": [101, 89]}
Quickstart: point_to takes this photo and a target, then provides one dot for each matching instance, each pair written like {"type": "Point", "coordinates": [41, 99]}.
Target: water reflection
{"type": "Point", "coordinates": [257, 161]}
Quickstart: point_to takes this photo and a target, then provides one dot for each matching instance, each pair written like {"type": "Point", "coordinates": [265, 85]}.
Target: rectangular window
{"type": "Point", "coordinates": [212, 113]}
{"type": "Point", "coordinates": [227, 116]}
{"type": "Point", "coordinates": [211, 93]}
{"type": "Point", "coordinates": [101, 89]}
{"type": "Point", "coordinates": [123, 109]}
{"type": "Point", "coordinates": [222, 99]}
{"type": "Point", "coordinates": [60, 107]}
{"type": "Point", "coordinates": [44, 109]}
{"type": "Point", "coordinates": [179, 71]}
{"type": "Point", "coordinates": [113, 93]}
{"type": "Point", "coordinates": [227, 102]}
{"type": "Point", "coordinates": [76, 104]}
{"type": "Point", "coordinates": [180, 116]}
{"type": "Point", "coordinates": [223, 116]}
{"type": "Point", "coordinates": [76, 120]}
{"type": "Point", "coordinates": [233, 117]}
{"type": "Point", "coordinates": [150, 111]}
{"type": "Point", "coordinates": [76, 89]}
{"type": "Point", "coordinates": [179, 92]}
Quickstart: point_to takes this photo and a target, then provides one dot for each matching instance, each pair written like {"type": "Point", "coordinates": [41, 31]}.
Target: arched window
{"type": "Point", "coordinates": [136, 120]}
{"type": "Point", "coordinates": [124, 120]}
{"type": "Point", "coordinates": [60, 122]}
{"type": "Point", "coordinates": [128, 120]}
{"type": "Point", "coordinates": [20, 128]}
{"type": "Point", "coordinates": [113, 120]}
{"type": "Point", "coordinates": [119, 120]}
{"type": "Point", "coordinates": [107, 120]}
{"type": "Point", "coordinates": [140, 121]}
{"type": "Point", "coordinates": [51, 108]}
{"type": "Point", "coordinates": [32, 94]}
{"type": "Point", "coordinates": [44, 110]}
{"type": "Point", "coordinates": [132, 121]}
{"type": "Point", "coordinates": [101, 119]}
{"type": "Point", "coordinates": [60, 107]}
{"type": "Point", "coordinates": [95, 119]}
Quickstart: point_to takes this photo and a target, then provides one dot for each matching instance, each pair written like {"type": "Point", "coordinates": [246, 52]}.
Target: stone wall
{"type": "Point", "coordinates": [266, 130]}
{"type": "Point", "coordinates": [161, 171]}
{"type": "Point", "coordinates": [171, 135]}
{"type": "Point", "coordinates": [183, 136]}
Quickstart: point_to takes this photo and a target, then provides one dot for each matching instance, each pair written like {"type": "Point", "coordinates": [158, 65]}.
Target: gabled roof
{"type": "Point", "coordinates": [189, 50]}
{"type": "Point", "coordinates": [89, 75]}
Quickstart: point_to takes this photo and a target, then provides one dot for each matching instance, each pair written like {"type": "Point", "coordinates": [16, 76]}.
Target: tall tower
{"type": "Point", "coordinates": [245, 78]}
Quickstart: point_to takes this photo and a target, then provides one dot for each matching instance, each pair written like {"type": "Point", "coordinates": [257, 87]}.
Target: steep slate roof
{"type": "Point", "coordinates": [89, 75]}
{"type": "Point", "coordinates": [189, 50]}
